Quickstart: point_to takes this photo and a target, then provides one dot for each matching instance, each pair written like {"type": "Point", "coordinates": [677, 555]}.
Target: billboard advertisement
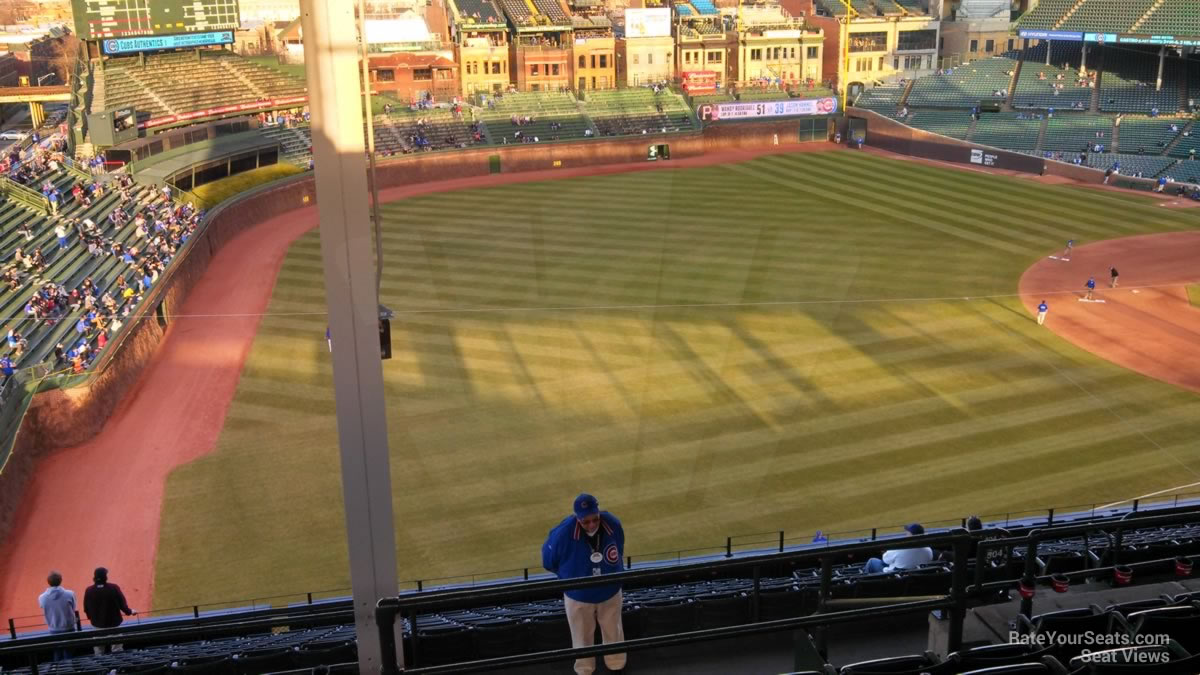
{"type": "Point", "coordinates": [765, 109]}
{"type": "Point", "coordinates": [652, 22]}
{"type": "Point", "coordinates": [184, 41]}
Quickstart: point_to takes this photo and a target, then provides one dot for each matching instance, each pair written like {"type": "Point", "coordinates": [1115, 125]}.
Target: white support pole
{"type": "Point", "coordinates": [331, 61]}
{"type": "Point", "coordinates": [1162, 55]}
{"type": "Point", "coordinates": [1083, 62]}
{"type": "Point", "coordinates": [1049, 46]}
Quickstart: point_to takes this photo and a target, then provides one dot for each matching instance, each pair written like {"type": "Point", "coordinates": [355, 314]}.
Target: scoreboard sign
{"type": "Point", "coordinates": [185, 41]}
{"type": "Point", "coordinates": [766, 109]}
{"type": "Point", "coordinates": [103, 19]}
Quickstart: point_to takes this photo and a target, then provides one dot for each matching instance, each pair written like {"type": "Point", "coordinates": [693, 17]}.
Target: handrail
{"type": "Point", "coordinates": [389, 609]}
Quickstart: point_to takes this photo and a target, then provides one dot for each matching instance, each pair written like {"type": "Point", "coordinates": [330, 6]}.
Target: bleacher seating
{"type": "Point", "coordinates": [404, 131]}
{"type": "Point", "coordinates": [952, 123]}
{"type": "Point", "coordinates": [1173, 17]}
{"type": "Point", "coordinates": [517, 10]}
{"type": "Point", "coordinates": [1039, 86]}
{"type": "Point", "coordinates": [295, 142]}
{"type": "Point", "coordinates": [481, 11]}
{"type": "Point", "coordinates": [624, 112]}
{"type": "Point", "coordinates": [882, 99]}
{"type": "Point", "coordinates": [1128, 83]}
{"type": "Point", "coordinates": [69, 267]}
{"type": "Point", "coordinates": [1005, 130]}
{"type": "Point", "coordinates": [177, 83]}
{"type": "Point", "coordinates": [1046, 15]}
{"type": "Point", "coordinates": [704, 6]}
{"type": "Point", "coordinates": [547, 109]}
{"type": "Point", "coordinates": [964, 85]}
{"type": "Point", "coordinates": [1107, 15]}
{"type": "Point", "coordinates": [554, 10]}
{"type": "Point", "coordinates": [1075, 132]}
{"type": "Point", "coordinates": [1151, 135]}
{"type": "Point", "coordinates": [1131, 165]}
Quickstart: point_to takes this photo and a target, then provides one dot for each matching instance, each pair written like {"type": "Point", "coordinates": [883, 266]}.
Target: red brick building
{"type": "Point", "coordinates": [411, 76]}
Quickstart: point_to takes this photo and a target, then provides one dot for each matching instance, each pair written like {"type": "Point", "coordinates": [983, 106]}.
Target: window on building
{"type": "Point", "coordinates": [443, 74]}
{"type": "Point", "coordinates": [593, 62]}
{"type": "Point", "coordinates": [604, 60]}
{"type": "Point", "coordinates": [1011, 44]}
{"type": "Point", "coordinates": [989, 46]}
{"type": "Point", "coordinates": [423, 74]}
{"type": "Point", "coordinates": [554, 67]}
{"type": "Point", "coordinates": [974, 45]}
{"type": "Point", "coordinates": [812, 52]}
{"type": "Point", "coordinates": [385, 75]}
{"type": "Point", "coordinates": [869, 42]}
{"type": "Point", "coordinates": [582, 60]}
{"type": "Point", "coordinates": [778, 50]}
{"type": "Point", "coordinates": [635, 58]}
{"type": "Point", "coordinates": [911, 40]}
{"type": "Point", "coordinates": [649, 59]}
{"type": "Point", "coordinates": [896, 63]}
{"type": "Point", "coordinates": [714, 57]}
{"type": "Point", "coordinates": [941, 44]}
{"type": "Point", "coordinates": [535, 69]}
{"type": "Point", "coordinates": [755, 54]}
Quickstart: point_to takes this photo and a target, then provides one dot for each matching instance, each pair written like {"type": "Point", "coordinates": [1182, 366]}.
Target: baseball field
{"type": "Point", "coordinates": [825, 341]}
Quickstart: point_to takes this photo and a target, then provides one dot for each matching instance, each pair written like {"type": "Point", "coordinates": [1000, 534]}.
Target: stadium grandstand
{"type": "Point", "coordinates": [740, 322]}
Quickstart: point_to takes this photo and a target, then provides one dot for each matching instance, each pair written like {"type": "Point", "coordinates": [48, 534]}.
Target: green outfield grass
{"type": "Point", "coordinates": [1193, 292]}
{"type": "Point", "coordinates": [783, 344]}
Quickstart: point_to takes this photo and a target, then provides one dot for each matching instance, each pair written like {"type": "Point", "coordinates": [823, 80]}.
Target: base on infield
{"type": "Point", "coordinates": [1054, 257]}
{"type": "Point", "coordinates": [1086, 300]}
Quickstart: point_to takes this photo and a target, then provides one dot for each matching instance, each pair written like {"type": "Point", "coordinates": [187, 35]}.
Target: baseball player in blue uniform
{"type": "Point", "coordinates": [589, 543]}
{"type": "Point", "coordinates": [1042, 309]}
{"type": "Point", "coordinates": [1091, 287]}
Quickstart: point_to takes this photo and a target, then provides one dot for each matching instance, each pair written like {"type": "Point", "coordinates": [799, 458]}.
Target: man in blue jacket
{"type": "Point", "coordinates": [589, 543]}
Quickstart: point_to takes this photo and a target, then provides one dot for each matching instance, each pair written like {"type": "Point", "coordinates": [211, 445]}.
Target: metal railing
{"type": "Point", "coordinates": [829, 611]}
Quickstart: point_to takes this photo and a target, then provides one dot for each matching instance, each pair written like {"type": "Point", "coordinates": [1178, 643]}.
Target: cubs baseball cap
{"type": "Point", "coordinates": [586, 505]}
{"type": "Point", "coordinates": [915, 528]}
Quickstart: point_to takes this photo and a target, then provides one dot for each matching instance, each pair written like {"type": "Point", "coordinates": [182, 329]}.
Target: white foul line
{"type": "Point", "coordinates": [1152, 494]}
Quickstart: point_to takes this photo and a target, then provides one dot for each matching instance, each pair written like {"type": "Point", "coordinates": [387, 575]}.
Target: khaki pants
{"type": "Point", "coordinates": [583, 617]}
{"type": "Point", "coordinates": [1041, 318]}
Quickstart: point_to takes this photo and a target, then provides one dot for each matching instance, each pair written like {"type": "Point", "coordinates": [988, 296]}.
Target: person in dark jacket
{"type": "Point", "coordinates": [104, 603]}
{"type": "Point", "coordinates": [589, 543]}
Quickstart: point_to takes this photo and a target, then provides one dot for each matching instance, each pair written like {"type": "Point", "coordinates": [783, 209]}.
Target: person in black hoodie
{"type": "Point", "coordinates": [104, 603]}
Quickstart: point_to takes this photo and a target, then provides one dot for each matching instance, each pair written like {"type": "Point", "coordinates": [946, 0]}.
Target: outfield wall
{"type": "Point", "coordinates": [894, 136]}
{"type": "Point", "coordinates": [62, 418]}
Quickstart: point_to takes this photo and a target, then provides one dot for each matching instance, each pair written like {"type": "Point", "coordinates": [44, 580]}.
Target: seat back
{"type": "Point", "coordinates": [677, 617]}
{"type": "Point", "coordinates": [220, 666]}
{"type": "Point", "coordinates": [892, 666]}
{"type": "Point", "coordinates": [721, 612]}
{"type": "Point", "coordinates": [501, 640]}
{"type": "Point", "coordinates": [262, 662]}
{"type": "Point", "coordinates": [309, 658]}
{"type": "Point", "coordinates": [993, 656]}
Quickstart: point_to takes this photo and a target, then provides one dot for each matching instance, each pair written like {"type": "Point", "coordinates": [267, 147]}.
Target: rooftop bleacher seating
{"type": "Point", "coordinates": [177, 83]}
{"type": "Point", "coordinates": [547, 110]}
{"type": "Point", "coordinates": [1075, 132]}
{"type": "Point", "coordinates": [965, 85]}
{"type": "Point", "coordinates": [1128, 83]}
{"type": "Point", "coordinates": [1106, 15]}
{"type": "Point", "coordinates": [1039, 86]}
{"type": "Point", "coordinates": [704, 6]}
{"type": "Point", "coordinates": [295, 142]}
{"type": "Point", "coordinates": [517, 11]}
{"type": "Point", "coordinates": [952, 123]}
{"type": "Point", "coordinates": [625, 112]}
{"type": "Point", "coordinates": [481, 11]}
{"type": "Point", "coordinates": [1005, 130]}
{"type": "Point", "coordinates": [552, 9]}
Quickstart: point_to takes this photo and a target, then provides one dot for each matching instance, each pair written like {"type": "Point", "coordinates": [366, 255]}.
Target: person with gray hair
{"type": "Point", "coordinates": [58, 606]}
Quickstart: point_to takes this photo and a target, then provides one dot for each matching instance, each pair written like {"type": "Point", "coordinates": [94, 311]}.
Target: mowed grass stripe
{"type": "Point", "coordinates": [865, 406]}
